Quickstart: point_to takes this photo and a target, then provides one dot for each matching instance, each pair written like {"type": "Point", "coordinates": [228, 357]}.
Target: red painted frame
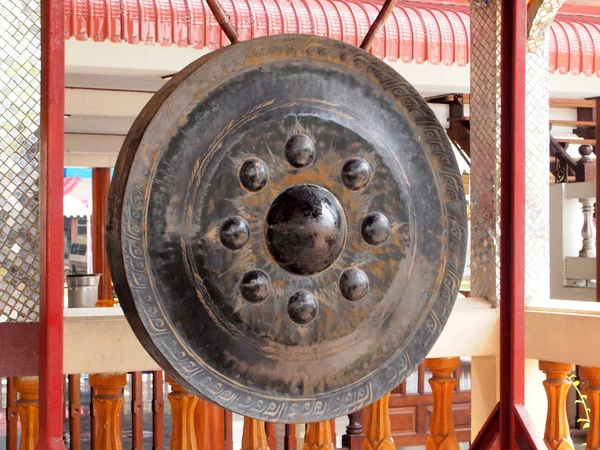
{"type": "Point", "coordinates": [51, 225]}
{"type": "Point", "coordinates": [510, 421]}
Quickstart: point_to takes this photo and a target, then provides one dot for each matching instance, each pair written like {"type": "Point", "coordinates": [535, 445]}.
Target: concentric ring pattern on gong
{"type": "Point", "coordinates": [287, 228]}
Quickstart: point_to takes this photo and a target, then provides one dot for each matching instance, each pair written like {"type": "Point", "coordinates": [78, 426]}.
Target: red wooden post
{"type": "Point", "coordinates": [512, 216]}
{"type": "Point", "coordinates": [137, 411]}
{"type": "Point", "coordinates": [158, 411]}
{"type": "Point", "coordinates": [100, 188]}
{"type": "Point", "coordinates": [75, 411]}
{"type": "Point", "coordinates": [511, 422]}
{"type": "Point", "coordinates": [51, 224]}
{"type": "Point", "coordinates": [12, 416]}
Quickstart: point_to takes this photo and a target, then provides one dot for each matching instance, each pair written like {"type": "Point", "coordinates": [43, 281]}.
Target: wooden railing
{"type": "Point", "coordinates": [197, 424]}
{"type": "Point", "coordinates": [573, 233]}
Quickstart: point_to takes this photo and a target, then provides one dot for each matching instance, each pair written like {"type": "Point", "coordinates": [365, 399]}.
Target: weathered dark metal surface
{"type": "Point", "coordinates": [287, 228]}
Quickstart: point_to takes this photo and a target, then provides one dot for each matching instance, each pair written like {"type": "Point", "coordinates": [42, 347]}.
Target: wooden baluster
{"type": "Point", "coordinates": [137, 411]}
{"type": "Point", "coordinates": [158, 411]}
{"type": "Point", "coordinates": [12, 415]}
{"type": "Point", "coordinates": [271, 438]}
{"type": "Point", "coordinates": [557, 435]}
{"type": "Point", "coordinates": [28, 405]}
{"type": "Point", "coordinates": [107, 407]}
{"type": "Point", "coordinates": [228, 430]}
{"type": "Point", "coordinates": [442, 435]}
{"type": "Point", "coordinates": [209, 422]}
{"type": "Point", "coordinates": [183, 407]}
{"type": "Point", "coordinates": [588, 230]}
{"type": "Point", "coordinates": [591, 378]}
{"type": "Point", "coordinates": [585, 170]}
{"type": "Point", "coordinates": [319, 436]}
{"type": "Point", "coordinates": [254, 436]}
{"type": "Point", "coordinates": [333, 435]}
{"type": "Point", "coordinates": [378, 428]}
{"type": "Point", "coordinates": [290, 442]}
{"type": "Point", "coordinates": [75, 411]}
{"type": "Point", "coordinates": [354, 436]}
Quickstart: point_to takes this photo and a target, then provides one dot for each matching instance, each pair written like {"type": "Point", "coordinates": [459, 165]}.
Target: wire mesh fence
{"type": "Point", "coordinates": [19, 159]}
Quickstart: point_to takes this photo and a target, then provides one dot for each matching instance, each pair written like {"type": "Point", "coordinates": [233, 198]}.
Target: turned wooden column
{"type": "Point", "coordinates": [107, 407]}
{"type": "Point", "coordinates": [354, 437]}
{"type": "Point", "coordinates": [254, 436]}
{"type": "Point", "coordinates": [378, 428]}
{"type": "Point", "coordinates": [183, 409]}
{"type": "Point", "coordinates": [557, 435]}
{"type": "Point", "coordinates": [318, 436]}
{"type": "Point", "coordinates": [442, 435]}
{"type": "Point", "coordinates": [28, 405]}
{"type": "Point", "coordinates": [290, 442]}
{"type": "Point", "coordinates": [209, 423]}
{"type": "Point", "coordinates": [591, 381]}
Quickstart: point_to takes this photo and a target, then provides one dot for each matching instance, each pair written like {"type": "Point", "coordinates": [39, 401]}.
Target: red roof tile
{"type": "Point", "coordinates": [419, 33]}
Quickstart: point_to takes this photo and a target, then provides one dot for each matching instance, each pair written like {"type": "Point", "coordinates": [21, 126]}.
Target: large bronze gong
{"type": "Point", "coordinates": [287, 228]}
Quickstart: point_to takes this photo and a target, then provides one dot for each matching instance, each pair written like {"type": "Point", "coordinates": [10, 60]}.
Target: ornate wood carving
{"type": "Point", "coordinates": [557, 435]}
{"type": "Point", "coordinates": [183, 407]}
{"type": "Point", "coordinates": [442, 434]}
{"type": "Point", "coordinates": [378, 428]}
{"type": "Point", "coordinates": [28, 405]}
{"type": "Point", "coordinates": [254, 436]}
{"type": "Point", "coordinates": [107, 406]}
{"type": "Point", "coordinates": [591, 378]}
{"type": "Point", "coordinates": [319, 437]}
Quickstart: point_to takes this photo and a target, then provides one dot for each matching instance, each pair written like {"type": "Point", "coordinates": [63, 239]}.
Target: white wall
{"type": "Point", "coordinates": [120, 78]}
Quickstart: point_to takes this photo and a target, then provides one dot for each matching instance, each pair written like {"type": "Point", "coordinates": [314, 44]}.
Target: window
{"type": "Point", "coordinates": [81, 226]}
{"type": "Point", "coordinates": [82, 249]}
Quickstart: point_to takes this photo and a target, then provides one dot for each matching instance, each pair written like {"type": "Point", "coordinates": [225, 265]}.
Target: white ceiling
{"type": "Point", "coordinates": [108, 84]}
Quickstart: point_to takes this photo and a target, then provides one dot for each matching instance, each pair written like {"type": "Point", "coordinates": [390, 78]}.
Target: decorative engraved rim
{"type": "Point", "coordinates": [131, 281]}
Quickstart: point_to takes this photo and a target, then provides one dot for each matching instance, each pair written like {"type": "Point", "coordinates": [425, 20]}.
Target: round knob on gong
{"type": "Point", "coordinates": [356, 174]}
{"type": "Point", "coordinates": [375, 229]}
{"type": "Point", "coordinates": [300, 150]}
{"type": "Point", "coordinates": [234, 233]}
{"type": "Point", "coordinates": [305, 229]}
{"type": "Point", "coordinates": [254, 174]}
{"type": "Point", "coordinates": [354, 284]}
{"type": "Point", "coordinates": [255, 286]}
{"type": "Point", "coordinates": [302, 307]}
